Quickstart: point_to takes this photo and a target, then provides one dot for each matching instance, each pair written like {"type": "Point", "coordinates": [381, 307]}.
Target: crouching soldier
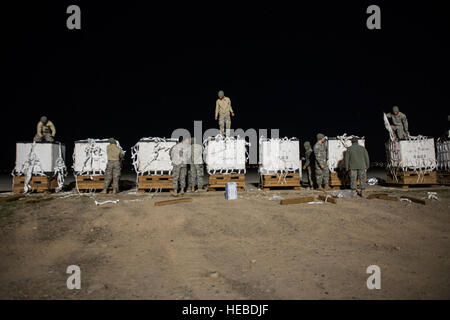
{"type": "Point", "coordinates": [45, 130]}
{"type": "Point", "coordinates": [180, 154]}
{"type": "Point", "coordinates": [357, 161]}
{"type": "Point", "coordinates": [113, 167]}
{"type": "Point", "coordinates": [196, 167]}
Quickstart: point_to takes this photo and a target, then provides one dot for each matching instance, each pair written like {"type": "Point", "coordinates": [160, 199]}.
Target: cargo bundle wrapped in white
{"type": "Point", "coordinates": [89, 156]}
{"type": "Point", "coordinates": [443, 154]}
{"type": "Point", "coordinates": [337, 146]}
{"type": "Point", "coordinates": [279, 155]}
{"type": "Point", "coordinates": [415, 153]}
{"type": "Point", "coordinates": [225, 155]}
{"type": "Point", "coordinates": [41, 158]}
{"type": "Point", "coordinates": [152, 156]}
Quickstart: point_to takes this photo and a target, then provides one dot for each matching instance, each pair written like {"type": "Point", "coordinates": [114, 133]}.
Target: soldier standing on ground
{"type": "Point", "coordinates": [180, 154]}
{"type": "Point", "coordinates": [399, 123]}
{"type": "Point", "coordinates": [321, 157]}
{"type": "Point", "coordinates": [223, 110]}
{"type": "Point", "coordinates": [45, 130]}
{"type": "Point", "coordinates": [196, 167]}
{"type": "Point", "coordinates": [113, 167]}
{"type": "Point", "coordinates": [309, 161]}
{"type": "Point", "coordinates": [357, 161]}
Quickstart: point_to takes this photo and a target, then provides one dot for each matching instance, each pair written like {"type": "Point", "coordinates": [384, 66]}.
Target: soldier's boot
{"type": "Point", "coordinates": [104, 191]}
{"type": "Point", "coordinates": [174, 192]}
{"type": "Point", "coordinates": [114, 191]}
{"type": "Point", "coordinates": [320, 188]}
{"type": "Point", "coordinates": [201, 189]}
{"type": "Point", "coordinates": [327, 187]}
{"type": "Point", "coordinates": [182, 191]}
{"type": "Point", "coordinates": [192, 189]}
{"type": "Point", "coordinates": [362, 193]}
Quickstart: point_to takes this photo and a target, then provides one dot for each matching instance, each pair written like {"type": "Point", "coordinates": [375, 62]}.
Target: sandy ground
{"type": "Point", "coordinates": [212, 248]}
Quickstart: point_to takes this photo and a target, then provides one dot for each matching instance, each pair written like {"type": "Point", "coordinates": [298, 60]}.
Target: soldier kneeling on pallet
{"type": "Point", "coordinates": [114, 166]}
{"type": "Point", "coordinates": [357, 161]}
{"type": "Point", "coordinates": [45, 130]}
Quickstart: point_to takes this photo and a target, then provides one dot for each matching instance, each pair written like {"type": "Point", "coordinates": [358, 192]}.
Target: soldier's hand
{"type": "Point", "coordinates": [303, 158]}
{"type": "Point", "coordinates": [232, 114]}
{"type": "Point", "coordinates": [215, 118]}
{"type": "Point", "coordinates": [322, 166]}
{"type": "Point", "coordinates": [304, 167]}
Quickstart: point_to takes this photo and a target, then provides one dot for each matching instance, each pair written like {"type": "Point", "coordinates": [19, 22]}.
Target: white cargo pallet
{"type": "Point", "coordinates": [414, 154]}
{"type": "Point", "coordinates": [92, 163]}
{"type": "Point", "coordinates": [279, 156]}
{"type": "Point", "coordinates": [336, 151]}
{"type": "Point", "coordinates": [443, 154]}
{"type": "Point", "coordinates": [225, 155]}
{"type": "Point", "coordinates": [46, 152]}
{"type": "Point", "coordinates": [152, 155]}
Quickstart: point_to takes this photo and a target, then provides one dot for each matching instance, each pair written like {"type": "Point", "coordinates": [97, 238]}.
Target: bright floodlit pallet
{"type": "Point", "coordinates": [340, 179]}
{"type": "Point", "coordinates": [153, 182]}
{"type": "Point", "coordinates": [87, 182]}
{"type": "Point", "coordinates": [37, 184]}
{"type": "Point", "coordinates": [277, 180]}
{"type": "Point", "coordinates": [219, 181]}
{"type": "Point", "coordinates": [405, 179]}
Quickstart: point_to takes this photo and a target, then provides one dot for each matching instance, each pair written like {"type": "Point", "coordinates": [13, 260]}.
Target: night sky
{"type": "Point", "coordinates": [138, 70]}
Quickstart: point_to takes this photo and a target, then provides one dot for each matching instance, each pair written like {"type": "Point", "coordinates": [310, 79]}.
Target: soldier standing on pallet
{"type": "Point", "coordinates": [321, 157]}
{"type": "Point", "coordinates": [45, 130]}
{"type": "Point", "coordinates": [223, 110]}
{"type": "Point", "coordinates": [309, 161]}
{"type": "Point", "coordinates": [196, 167]}
{"type": "Point", "coordinates": [180, 154]}
{"type": "Point", "coordinates": [113, 167]}
{"type": "Point", "coordinates": [399, 123]}
{"type": "Point", "coordinates": [357, 161]}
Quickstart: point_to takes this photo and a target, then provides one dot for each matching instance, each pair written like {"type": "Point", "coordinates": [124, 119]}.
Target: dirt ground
{"type": "Point", "coordinates": [213, 248]}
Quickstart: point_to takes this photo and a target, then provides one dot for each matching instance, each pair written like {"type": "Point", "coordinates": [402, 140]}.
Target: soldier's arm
{"type": "Point", "coordinates": [217, 108]}
{"type": "Point", "coordinates": [229, 104]}
{"type": "Point", "coordinates": [389, 115]}
{"type": "Point", "coordinates": [366, 156]}
{"type": "Point", "coordinates": [52, 128]}
{"type": "Point", "coordinates": [346, 159]}
{"type": "Point", "coordinates": [405, 122]}
{"type": "Point", "coordinates": [39, 129]}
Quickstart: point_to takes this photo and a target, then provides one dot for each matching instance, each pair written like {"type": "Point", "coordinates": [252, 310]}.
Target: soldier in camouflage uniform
{"type": "Point", "coordinates": [308, 162]}
{"type": "Point", "coordinates": [180, 155]}
{"type": "Point", "coordinates": [223, 110]}
{"type": "Point", "coordinates": [321, 157]}
{"type": "Point", "coordinates": [45, 130]}
{"type": "Point", "coordinates": [113, 167]}
{"type": "Point", "coordinates": [357, 161]}
{"type": "Point", "coordinates": [196, 167]}
{"type": "Point", "coordinates": [399, 123]}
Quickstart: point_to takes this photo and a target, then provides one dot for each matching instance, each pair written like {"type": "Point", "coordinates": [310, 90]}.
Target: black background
{"type": "Point", "coordinates": [139, 69]}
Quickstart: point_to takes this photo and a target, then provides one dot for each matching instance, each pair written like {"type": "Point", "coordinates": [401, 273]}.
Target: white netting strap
{"type": "Point", "coordinates": [60, 170]}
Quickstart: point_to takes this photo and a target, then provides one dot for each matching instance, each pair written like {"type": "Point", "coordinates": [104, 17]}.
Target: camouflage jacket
{"type": "Point", "coordinates": [309, 158]}
{"type": "Point", "coordinates": [399, 120]}
{"type": "Point", "coordinates": [320, 153]}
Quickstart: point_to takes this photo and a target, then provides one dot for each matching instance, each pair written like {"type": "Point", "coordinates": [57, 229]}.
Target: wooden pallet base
{"type": "Point", "coordinates": [37, 184]}
{"type": "Point", "coordinates": [340, 179]}
{"type": "Point", "coordinates": [91, 182]}
{"type": "Point", "coordinates": [272, 181]}
{"type": "Point", "coordinates": [154, 182]}
{"type": "Point", "coordinates": [443, 177]}
{"type": "Point", "coordinates": [405, 179]}
{"type": "Point", "coordinates": [219, 181]}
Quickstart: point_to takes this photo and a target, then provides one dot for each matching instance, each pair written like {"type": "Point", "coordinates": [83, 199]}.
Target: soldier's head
{"type": "Point", "coordinates": [44, 119]}
{"type": "Point", "coordinates": [221, 94]}
{"type": "Point", "coordinates": [112, 141]}
{"type": "Point", "coordinates": [307, 145]}
{"type": "Point", "coordinates": [320, 137]}
{"type": "Point", "coordinates": [395, 109]}
{"type": "Point", "coordinates": [354, 140]}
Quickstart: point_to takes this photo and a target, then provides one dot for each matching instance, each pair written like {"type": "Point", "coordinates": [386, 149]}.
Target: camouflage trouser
{"type": "Point", "coordinates": [112, 172]}
{"type": "Point", "coordinates": [45, 137]}
{"type": "Point", "coordinates": [322, 176]}
{"type": "Point", "coordinates": [357, 174]}
{"type": "Point", "coordinates": [179, 173]}
{"type": "Point", "coordinates": [224, 121]}
{"type": "Point", "coordinates": [309, 175]}
{"type": "Point", "coordinates": [196, 175]}
{"type": "Point", "coordinates": [399, 132]}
